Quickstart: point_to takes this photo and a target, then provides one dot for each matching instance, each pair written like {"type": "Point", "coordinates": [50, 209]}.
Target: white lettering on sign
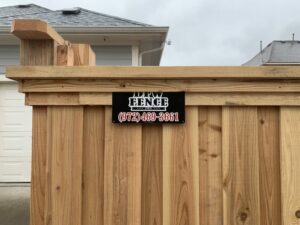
{"type": "Point", "coordinates": [148, 102]}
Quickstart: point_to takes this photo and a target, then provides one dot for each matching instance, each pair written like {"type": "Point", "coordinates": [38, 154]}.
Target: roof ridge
{"type": "Point", "coordinates": [41, 7]}
{"type": "Point", "coordinates": [116, 17]}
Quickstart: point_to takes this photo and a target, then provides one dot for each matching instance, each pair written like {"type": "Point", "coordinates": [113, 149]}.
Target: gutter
{"type": "Point", "coordinates": [280, 64]}
{"type": "Point", "coordinates": [96, 30]}
{"type": "Point", "coordinates": [161, 48]}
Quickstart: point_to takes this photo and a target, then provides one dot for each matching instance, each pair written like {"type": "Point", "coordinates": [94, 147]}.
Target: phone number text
{"type": "Point", "coordinates": [148, 117]}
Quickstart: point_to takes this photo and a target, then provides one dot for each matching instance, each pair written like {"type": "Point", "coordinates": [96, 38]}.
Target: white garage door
{"type": "Point", "coordinates": [15, 135]}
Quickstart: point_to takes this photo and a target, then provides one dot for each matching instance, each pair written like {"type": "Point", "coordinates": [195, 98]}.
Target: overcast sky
{"type": "Point", "coordinates": [203, 32]}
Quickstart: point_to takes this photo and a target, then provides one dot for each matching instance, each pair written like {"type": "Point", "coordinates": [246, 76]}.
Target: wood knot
{"type": "Point", "coordinates": [243, 216]}
{"type": "Point", "coordinates": [297, 214]}
{"type": "Point", "coordinates": [58, 187]}
{"type": "Point", "coordinates": [262, 121]}
{"type": "Point", "coordinates": [214, 155]}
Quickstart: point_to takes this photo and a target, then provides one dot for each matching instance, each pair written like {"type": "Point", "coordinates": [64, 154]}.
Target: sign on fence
{"type": "Point", "coordinates": [148, 107]}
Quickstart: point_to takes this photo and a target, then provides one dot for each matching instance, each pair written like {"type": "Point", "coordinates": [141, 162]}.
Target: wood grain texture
{"type": "Point", "coordinates": [240, 166]}
{"type": "Point", "coordinates": [156, 72]}
{"type": "Point", "coordinates": [83, 55]}
{"type": "Point", "coordinates": [290, 166]}
{"type": "Point", "coordinates": [210, 165]}
{"type": "Point", "coordinates": [33, 29]}
{"type": "Point", "coordinates": [152, 175]}
{"type": "Point", "coordinates": [206, 86]}
{"type": "Point", "coordinates": [181, 171]}
{"type": "Point", "coordinates": [269, 165]}
{"type": "Point", "coordinates": [52, 99]}
{"type": "Point", "coordinates": [196, 99]}
{"type": "Point", "coordinates": [39, 156]}
{"type": "Point", "coordinates": [93, 166]}
{"type": "Point", "coordinates": [64, 165]}
{"type": "Point", "coordinates": [122, 173]}
{"type": "Point", "coordinates": [65, 55]}
{"type": "Point", "coordinates": [38, 52]}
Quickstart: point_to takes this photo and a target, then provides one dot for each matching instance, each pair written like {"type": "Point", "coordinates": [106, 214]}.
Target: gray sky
{"type": "Point", "coordinates": [203, 32]}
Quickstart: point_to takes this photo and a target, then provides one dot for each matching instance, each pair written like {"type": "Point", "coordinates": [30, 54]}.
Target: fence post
{"type": "Point", "coordinates": [56, 188]}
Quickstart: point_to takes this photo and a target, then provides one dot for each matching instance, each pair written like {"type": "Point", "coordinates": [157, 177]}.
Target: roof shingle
{"type": "Point", "coordinates": [277, 52]}
{"type": "Point", "coordinates": [85, 18]}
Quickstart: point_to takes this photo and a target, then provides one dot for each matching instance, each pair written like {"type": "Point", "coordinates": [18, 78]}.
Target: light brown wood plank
{"type": "Point", "coordinates": [196, 99]}
{"type": "Point", "coordinates": [64, 165]}
{"type": "Point", "coordinates": [93, 166]}
{"type": "Point", "coordinates": [155, 72]}
{"type": "Point", "coordinates": [240, 166]}
{"type": "Point", "coordinates": [243, 99]}
{"type": "Point", "coordinates": [52, 99]}
{"type": "Point", "coordinates": [83, 55]}
{"type": "Point", "coordinates": [207, 86]}
{"type": "Point", "coordinates": [269, 165]}
{"type": "Point", "coordinates": [152, 212]}
{"type": "Point", "coordinates": [39, 140]}
{"type": "Point", "coordinates": [37, 52]}
{"type": "Point", "coordinates": [181, 171]}
{"type": "Point", "coordinates": [33, 29]}
{"type": "Point", "coordinates": [290, 166]}
{"type": "Point", "coordinates": [122, 173]}
{"type": "Point", "coordinates": [65, 55]}
{"type": "Point", "coordinates": [210, 166]}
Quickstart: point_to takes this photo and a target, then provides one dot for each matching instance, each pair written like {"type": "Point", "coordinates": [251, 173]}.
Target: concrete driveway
{"type": "Point", "coordinates": [14, 204]}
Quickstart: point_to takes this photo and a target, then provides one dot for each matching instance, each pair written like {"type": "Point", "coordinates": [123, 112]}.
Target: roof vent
{"type": "Point", "coordinates": [71, 11]}
{"type": "Point", "coordinates": [23, 6]}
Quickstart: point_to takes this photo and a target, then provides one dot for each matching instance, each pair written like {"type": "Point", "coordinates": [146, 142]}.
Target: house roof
{"type": "Point", "coordinates": [277, 52]}
{"type": "Point", "coordinates": [85, 18]}
{"type": "Point", "coordinates": [89, 27]}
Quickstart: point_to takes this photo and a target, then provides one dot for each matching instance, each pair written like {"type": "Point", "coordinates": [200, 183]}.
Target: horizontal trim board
{"type": "Point", "coordinates": [205, 85]}
{"type": "Point", "coordinates": [192, 99]}
{"type": "Point", "coordinates": [151, 72]}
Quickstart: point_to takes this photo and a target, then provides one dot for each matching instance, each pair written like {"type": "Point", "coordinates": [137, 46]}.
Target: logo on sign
{"type": "Point", "coordinates": [148, 102]}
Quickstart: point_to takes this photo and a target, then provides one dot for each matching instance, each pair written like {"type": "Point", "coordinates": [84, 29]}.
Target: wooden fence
{"type": "Point", "coordinates": [236, 160]}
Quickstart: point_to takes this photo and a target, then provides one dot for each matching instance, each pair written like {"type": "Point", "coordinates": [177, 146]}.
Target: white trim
{"type": "Point", "coordinates": [93, 30]}
{"type": "Point", "coordinates": [135, 55]}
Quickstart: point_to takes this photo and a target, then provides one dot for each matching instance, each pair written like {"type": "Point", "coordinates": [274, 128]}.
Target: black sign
{"type": "Point", "coordinates": [148, 107]}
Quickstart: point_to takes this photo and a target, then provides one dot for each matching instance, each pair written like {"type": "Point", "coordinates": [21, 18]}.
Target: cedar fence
{"type": "Point", "coordinates": [236, 160]}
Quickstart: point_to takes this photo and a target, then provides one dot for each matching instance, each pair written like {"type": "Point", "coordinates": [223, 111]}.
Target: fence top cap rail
{"type": "Point", "coordinates": [32, 29]}
{"type": "Point", "coordinates": [151, 72]}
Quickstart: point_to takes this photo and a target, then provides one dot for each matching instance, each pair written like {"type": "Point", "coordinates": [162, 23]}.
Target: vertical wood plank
{"type": "Point", "coordinates": [83, 55]}
{"type": "Point", "coordinates": [181, 171]}
{"type": "Point", "coordinates": [152, 175]}
{"type": "Point", "coordinates": [290, 166]}
{"type": "Point", "coordinates": [65, 55]}
{"type": "Point", "coordinates": [93, 166]}
{"type": "Point", "coordinates": [240, 166]}
{"type": "Point", "coordinates": [122, 173]}
{"type": "Point", "coordinates": [39, 136]}
{"type": "Point", "coordinates": [38, 52]}
{"type": "Point", "coordinates": [64, 165]}
{"type": "Point", "coordinates": [210, 166]}
{"type": "Point", "coordinates": [269, 165]}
